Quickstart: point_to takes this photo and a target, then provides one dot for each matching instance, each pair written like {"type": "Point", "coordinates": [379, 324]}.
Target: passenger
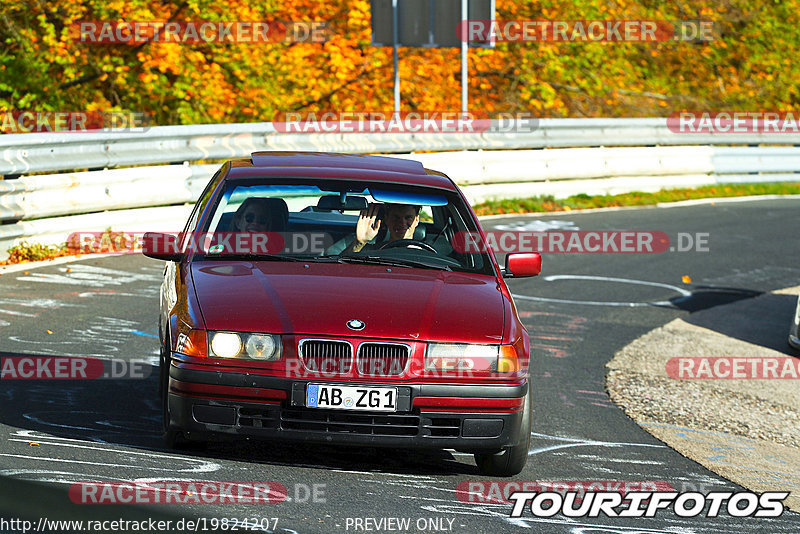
{"type": "Point", "coordinates": [252, 216]}
{"type": "Point", "coordinates": [401, 220]}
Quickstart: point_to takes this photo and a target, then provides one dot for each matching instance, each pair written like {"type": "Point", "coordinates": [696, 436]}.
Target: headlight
{"type": "Point", "coordinates": [461, 358]}
{"type": "Point", "coordinates": [263, 347]}
{"type": "Point", "coordinates": [466, 358]}
{"type": "Point", "coordinates": [226, 344]}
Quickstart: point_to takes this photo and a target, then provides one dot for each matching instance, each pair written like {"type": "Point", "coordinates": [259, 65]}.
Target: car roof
{"type": "Point", "coordinates": [357, 167]}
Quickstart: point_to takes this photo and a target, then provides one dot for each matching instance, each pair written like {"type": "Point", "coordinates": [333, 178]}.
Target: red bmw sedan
{"type": "Point", "coordinates": [336, 298]}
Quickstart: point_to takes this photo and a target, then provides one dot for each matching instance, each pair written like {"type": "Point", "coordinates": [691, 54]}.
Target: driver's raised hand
{"type": "Point", "coordinates": [367, 227]}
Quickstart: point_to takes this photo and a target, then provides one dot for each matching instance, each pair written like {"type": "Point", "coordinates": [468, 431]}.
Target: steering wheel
{"type": "Point", "coordinates": [409, 243]}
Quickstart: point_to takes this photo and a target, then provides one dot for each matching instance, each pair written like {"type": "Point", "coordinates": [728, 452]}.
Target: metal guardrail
{"type": "Point", "coordinates": [49, 195]}
{"type": "Point", "coordinates": [586, 155]}
{"type": "Point", "coordinates": [36, 152]}
{"type": "Point", "coordinates": [34, 197]}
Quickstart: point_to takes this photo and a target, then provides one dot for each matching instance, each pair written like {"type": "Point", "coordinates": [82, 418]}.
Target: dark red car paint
{"type": "Point", "coordinates": [297, 299]}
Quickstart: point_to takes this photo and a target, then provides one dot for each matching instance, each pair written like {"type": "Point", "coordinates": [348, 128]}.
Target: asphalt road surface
{"type": "Point", "coordinates": [582, 310]}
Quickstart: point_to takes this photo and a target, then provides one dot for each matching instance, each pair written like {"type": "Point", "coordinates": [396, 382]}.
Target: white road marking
{"type": "Point", "coordinates": [683, 292]}
{"type": "Point", "coordinates": [581, 442]}
{"type": "Point", "coordinates": [18, 314]}
{"type": "Point", "coordinates": [202, 467]}
{"type": "Point", "coordinates": [536, 225]}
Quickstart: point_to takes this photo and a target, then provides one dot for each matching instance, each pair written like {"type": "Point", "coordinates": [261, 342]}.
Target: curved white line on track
{"type": "Point", "coordinates": [32, 434]}
{"type": "Point", "coordinates": [202, 466]}
{"type": "Point", "coordinates": [44, 475]}
{"type": "Point", "coordinates": [101, 420]}
{"type": "Point", "coordinates": [683, 292]}
{"type": "Point", "coordinates": [64, 460]}
{"type": "Point", "coordinates": [581, 442]}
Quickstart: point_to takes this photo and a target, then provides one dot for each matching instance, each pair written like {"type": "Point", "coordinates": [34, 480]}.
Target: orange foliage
{"type": "Point", "coordinates": [45, 68]}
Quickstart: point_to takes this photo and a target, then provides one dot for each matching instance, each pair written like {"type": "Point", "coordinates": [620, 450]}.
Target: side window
{"type": "Point", "coordinates": [199, 206]}
{"type": "Point", "coordinates": [461, 223]}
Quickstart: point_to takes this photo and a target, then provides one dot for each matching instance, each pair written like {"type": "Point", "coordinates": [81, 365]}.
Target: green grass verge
{"type": "Point", "coordinates": [582, 202]}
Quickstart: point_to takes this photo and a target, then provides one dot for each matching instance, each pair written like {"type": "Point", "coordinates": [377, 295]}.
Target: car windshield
{"type": "Point", "coordinates": [343, 222]}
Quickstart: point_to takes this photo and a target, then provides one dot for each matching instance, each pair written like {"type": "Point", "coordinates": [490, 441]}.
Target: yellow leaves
{"type": "Point", "coordinates": [359, 14]}
{"type": "Point", "coordinates": [147, 77]}
{"type": "Point", "coordinates": [190, 83]}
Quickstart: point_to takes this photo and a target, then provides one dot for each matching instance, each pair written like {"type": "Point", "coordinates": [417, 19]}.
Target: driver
{"type": "Point", "coordinates": [252, 216]}
{"type": "Point", "coordinates": [401, 221]}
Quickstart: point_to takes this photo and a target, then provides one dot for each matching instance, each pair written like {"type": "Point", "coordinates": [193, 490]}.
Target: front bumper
{"type": "Point", "coordinates": [438, 416]}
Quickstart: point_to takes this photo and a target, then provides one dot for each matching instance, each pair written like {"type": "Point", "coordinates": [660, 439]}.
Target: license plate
{"type": "Point", "coordinates": [351, 398]}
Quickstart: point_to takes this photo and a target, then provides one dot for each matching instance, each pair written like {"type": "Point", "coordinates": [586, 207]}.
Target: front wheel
{"type": "Point", "coordinates": [174, 439]}
{"type": "Point", "coordinates": [509, 461]}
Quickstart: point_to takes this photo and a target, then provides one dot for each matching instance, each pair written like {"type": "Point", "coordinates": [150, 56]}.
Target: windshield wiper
{"type": "Point", "coordinates": [379, 260]}
{"type": "Point", "coordinates": [251, 257]}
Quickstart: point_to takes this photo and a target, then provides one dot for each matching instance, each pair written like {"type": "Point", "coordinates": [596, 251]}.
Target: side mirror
{"type": "Point", "coordinates": [161, 246]}
{"type": "Point", "coordinates": [522, 264]}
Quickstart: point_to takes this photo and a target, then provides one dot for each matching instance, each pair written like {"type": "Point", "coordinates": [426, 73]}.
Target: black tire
{"type": "Point", "coordinates": [163, 361]}
{"type": "Point", "coordinates": [511, 460]}
{"type": "Point", "coordinates": [174, 439]}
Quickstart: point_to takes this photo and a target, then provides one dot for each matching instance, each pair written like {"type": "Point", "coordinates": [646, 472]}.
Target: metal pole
{"type": "Point", "coordinates": [464, 53]}
{"type": "Point", "coordinates": [395, 38]}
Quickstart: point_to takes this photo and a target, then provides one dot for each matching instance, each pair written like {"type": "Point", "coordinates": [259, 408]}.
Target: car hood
{"type": "Point", "coordinates": [320, 298]}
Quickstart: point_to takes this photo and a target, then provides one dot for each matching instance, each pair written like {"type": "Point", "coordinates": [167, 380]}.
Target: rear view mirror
{"type": "Point", "coordinates": [334, 203]}
{"type": "Point", "coordinates": [521, 264]}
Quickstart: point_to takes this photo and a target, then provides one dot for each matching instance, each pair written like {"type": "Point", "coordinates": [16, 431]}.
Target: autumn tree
{"type": "Point", "coordinates": [43, 66]}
